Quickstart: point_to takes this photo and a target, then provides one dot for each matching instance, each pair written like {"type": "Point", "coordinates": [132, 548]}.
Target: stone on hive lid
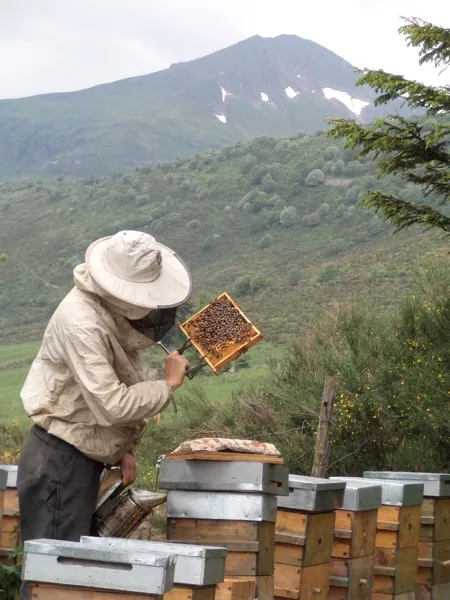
{"type": "Point", "coordinates": [196, 565]}
{"type": "Point", "coordinates": [397, 493]}
{"type": "Point", "coordinates": [85, 565]}
{"type": "Point", "coordinates": [359, 497]}
{"type": "Point", "coordinates": [210, 476]}
{"type": "Point", "coordinates": [436, 485]}
{"type": "Point", "coordinates": [221, 506]}
{"type": "Point", "coordinates": [313, 494]}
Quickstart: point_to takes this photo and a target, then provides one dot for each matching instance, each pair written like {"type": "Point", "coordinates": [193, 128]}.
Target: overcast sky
{"type": "Point", "coordinates": [62, 45]}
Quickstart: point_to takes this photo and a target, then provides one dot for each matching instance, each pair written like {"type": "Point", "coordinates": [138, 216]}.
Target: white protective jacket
{"type": "Point", "coordinates": [87, 385]}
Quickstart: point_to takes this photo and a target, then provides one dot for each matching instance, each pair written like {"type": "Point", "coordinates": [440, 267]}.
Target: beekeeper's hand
{"type": "Point", "coordinates": [176, 367]}
{"type": "Point", "coordinates": [128, 468]}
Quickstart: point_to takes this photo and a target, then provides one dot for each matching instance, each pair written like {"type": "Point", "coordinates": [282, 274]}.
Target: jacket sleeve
{"type": "Point", "coordinates": [112, 403]}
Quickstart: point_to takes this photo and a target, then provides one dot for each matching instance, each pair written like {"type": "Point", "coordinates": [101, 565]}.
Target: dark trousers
{"type": "Point", "coordinates": [58, 488]}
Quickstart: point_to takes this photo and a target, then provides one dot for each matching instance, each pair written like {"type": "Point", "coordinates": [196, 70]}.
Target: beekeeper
{"type": "Point", "coordinates": [87, 392]}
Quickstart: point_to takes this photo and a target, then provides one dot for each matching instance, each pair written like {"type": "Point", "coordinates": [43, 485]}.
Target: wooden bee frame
{"type": "Point", "coordinates": [232, 351]}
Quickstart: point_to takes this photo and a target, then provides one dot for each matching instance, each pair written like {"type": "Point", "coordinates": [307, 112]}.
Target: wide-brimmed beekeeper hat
{"type": "Point", "coordinates": [132, 266]}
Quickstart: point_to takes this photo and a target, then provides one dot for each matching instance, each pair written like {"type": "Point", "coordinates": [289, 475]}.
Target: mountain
{"type": "Point", "coordinates": [274, 221]}
{"type": "Point", "coordinates": [261, 86]}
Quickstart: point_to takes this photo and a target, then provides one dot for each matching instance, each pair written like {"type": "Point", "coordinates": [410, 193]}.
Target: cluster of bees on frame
{"type": "Point", "coordinates": [218, 326]}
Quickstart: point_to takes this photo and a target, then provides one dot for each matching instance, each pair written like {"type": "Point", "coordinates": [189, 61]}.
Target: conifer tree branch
{"type": "Point", "coordinates": [433, 41]}
{"type": "Point", "coordinates": [404, 214]}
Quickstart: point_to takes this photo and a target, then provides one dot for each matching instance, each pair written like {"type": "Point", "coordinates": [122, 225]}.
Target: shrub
{"type": "Point", "coordinates": [369, 182]}
{"type": "Point", "coordinates": [312, 220]}
{"type": "Point", "coordinates": [242, 285]}
{"type": "Point", "coordinates": [258, 283]}
{"type": "Point", "coordinates": [353, 168]}
{"type": "Point", "coordinates": [328, 274]}
{"type": "Point", "coordinates": [288, 216]}
{"type": "Point", "coordinates": [353, 194]}
{"type": "Point", "coordinates": [337, 247]}
{"type": "Point", "coordinates": [257, 175]}
{"type": "Point", "coordinates": [265, 241]}
{"type": "Point", "coordinates": [256, 198]}
{"type": "Point", "coordinates": [248, 164]}
{"type": "Point", "coordinates": [315, 178]}
{"type": "Point", "coordinates": [256, 224]}
{"type": "Point", "coordinates": [207, 244]}
{"type": "Point", "coordinates": [270, 217]}
{"type": "Point", "coordinates": [269, 184]}
{"type": "Point", "coordinates": [323, 209]}
{"type": "Point", "coordinates": [294, 277]}
{"type": "Point", "coordinates": [338, 167]}
{"type": "Point", "coordinates": [332, 153]}
{"type": "Point", "coordinates": [194, 224]}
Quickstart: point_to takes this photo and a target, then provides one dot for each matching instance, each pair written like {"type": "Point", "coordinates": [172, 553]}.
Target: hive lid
{"type": "Point", "coordinates": [396, 493]}
{"type": "Point", "coordinates": [318, 484]}
{"type": "Point", "coordinates": [224, 476]}
{"type": "Point", "coordinates": [98, 554]}
{"type": "Point", "coordinates": [359, 497]}
{"type": "Point", "coordinates": [11, 471]}
{"type": "Point", "coordinates": [178, 549]}
{"type": "Point", "coordinates": [435, 484]}
{"type": "Point", "coordinates": [405, 475]}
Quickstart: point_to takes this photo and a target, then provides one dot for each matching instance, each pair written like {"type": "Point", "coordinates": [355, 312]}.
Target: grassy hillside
{"type": "Point", "coordinates": [250, 218]}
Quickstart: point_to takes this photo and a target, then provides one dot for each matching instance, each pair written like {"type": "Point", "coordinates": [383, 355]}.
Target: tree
{"type": "Point", "coordinates": [413, 148]}
{"type": "Point", "coordinates": [242, 285]}
{"type": "Point", "coordinates": [288, 216]}
{"type": "Point", "coordinates": [3, 258]}
{"type": "Point", "coordinates": [316, 177]}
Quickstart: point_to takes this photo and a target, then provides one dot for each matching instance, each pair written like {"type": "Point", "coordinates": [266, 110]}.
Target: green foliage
{"type": "Point", "coordinates": [353, 194]}
{"type": "Point", "coordinates": [265, 241]}
{"type": "Point", "coordinates": [288, 216]}
{"type": "Point", "coordinates": [241, 286]}
{"type": "Point", "coordinates": [11, 576]}
{"type": "Point", "coordinates": [3, 258]}
{"type": "Point", "coordinates": [415, 149]}
{"type": "Point", "coordinates": [312, 220]}
{"type": "Point", "coordinates": [269, 184]}
{"type": "Point", "coordinates": [189, 222]}
{"type": "Point", "coordinates": [328, 274]}
{"type": "Point", "coordinates": [258, 282]}
{"type": "Point", "coordinates": [332, 153]}
{"type": "Point", "coordinates": [315, 177]}
{"type": "Point", "coordinates": [323, 209]}
{"type": "Point", "coordinates": [294, 277]}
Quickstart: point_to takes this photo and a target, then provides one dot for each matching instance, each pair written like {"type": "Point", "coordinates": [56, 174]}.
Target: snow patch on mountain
{"type": "Point", "coordinates": [224, 94]}
{"type": "Point", "coordinates": [352, 104]}
{"type": "Point", "coordinates": [290, 93]}
{"type": "Point", "coordinates": [222, 118]}
{"type": "Point", "coordinates": [264, 97]}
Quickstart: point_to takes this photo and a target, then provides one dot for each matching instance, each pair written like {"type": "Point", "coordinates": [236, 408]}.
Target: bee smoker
{"type": "Point", "coordinates": [120, 510]}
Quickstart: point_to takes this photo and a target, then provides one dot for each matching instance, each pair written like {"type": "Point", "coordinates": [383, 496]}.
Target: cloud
{"type": "Point", "coordinates": [58, 45]}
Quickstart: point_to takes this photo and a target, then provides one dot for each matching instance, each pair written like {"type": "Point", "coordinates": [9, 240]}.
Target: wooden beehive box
{"type": "Point", "coordinates": [304, 537]}
{"type": "Point", "coordinates": [228, 508]}
{"type": "Point", "coordinates": [232, 349]}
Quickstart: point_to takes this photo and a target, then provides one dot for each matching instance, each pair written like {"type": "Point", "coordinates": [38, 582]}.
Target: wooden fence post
{"type": "Point", "coordinates": [323, 430]}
